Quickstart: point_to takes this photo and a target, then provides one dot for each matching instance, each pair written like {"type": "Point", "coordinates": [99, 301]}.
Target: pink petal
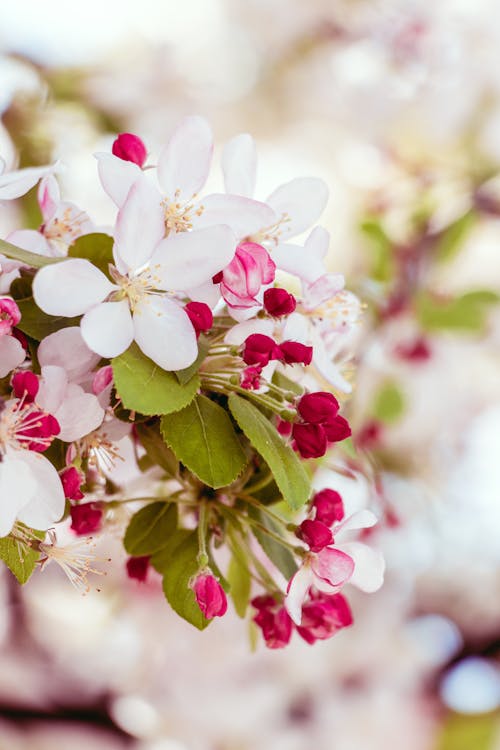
{"type": "Point", "coordinates": [333, 566]}
{"type": "Point", "coordinates": [107, 328]}
{"type": "Point", "coordinates": [67, 349]}
{"type": "Point", "coordinates": [139, 227]}
{"type": "Point", "coordinates": [369, 566]}
{"type": "Point", "coordinates": [298, 586]}
{"type": "Point", "coordinates": [164, 333]}
{"type": "Point", "coordinates": [245, 216]}
{"type": "Point", "coordinates": [12, 354]}
{"type": "Point", "coordinates": [117, 176]}
{"type": "Point", "coordinates": [79, 414]}
{"type": "Point", "coordinates": [239, 165]}
{"type": "Point", "coordinates": [184, 163]}
{"type": "Point", "coordinates": [70, 288]}
{"type": "Point", "coordinates": [49, 197]}
{"type": "Point", "coordinates": [322, 289]}
{"type": "Point", "coordinates": [302, 200]}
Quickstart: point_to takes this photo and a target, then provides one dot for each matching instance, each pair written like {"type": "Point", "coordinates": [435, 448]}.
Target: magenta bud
{"type": "Point", "coordinates": [129, 147]}
{"type": "Point", "coordinates": [310, 440]}
{"type": "Point", "coordinates": [210, 596]}
{"type": "Point", "coordinates": [200, 316]}
{"type": "Point", "coordinates": [138, 567]}
{"type": "Point", "coordinates": [295, 353]}
{"type": "Point", "coordinates": [279, 302]}
{"type": "Point", "coordinates": [318, 407]}
{"type": "Point", "coordinates": [315, 534]}
{"type": "Point", "coordinates": [329, 506]}
{"type": "Point", "coordinates": [86, 518]}
{"type": "Point", "coordinates": [72, 481]}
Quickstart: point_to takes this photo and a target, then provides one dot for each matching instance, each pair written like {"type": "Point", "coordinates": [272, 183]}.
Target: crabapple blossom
{"type": "Point", "coordinates": [138, 567]}
{"type": "Point", "coordinates": [86, 518]}
{"type": "Point", "coordinates": [210, 596]}
{"type": "Point", "coordinates": [147, 266]}
{"type": "Point", "coordinates": [274, 621]}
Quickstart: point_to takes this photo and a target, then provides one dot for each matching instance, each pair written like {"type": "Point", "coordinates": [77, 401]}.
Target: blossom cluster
{"type": "Point", "coordinates": [172, 344]}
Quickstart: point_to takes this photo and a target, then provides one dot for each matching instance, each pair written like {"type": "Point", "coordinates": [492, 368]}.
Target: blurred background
{"type": "Point", "coordinates": [396, 104]}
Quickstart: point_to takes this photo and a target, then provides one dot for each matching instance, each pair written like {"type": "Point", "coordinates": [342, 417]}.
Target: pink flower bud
{"type": "Point", "coordinates": [318, 407]}
{"type": "Point", "coordinates": [210, 596]}
{"type": "Point", "coordinates": [295, 353]}
{"type": "Point", "coordinates": [39, 431]}
{"type": "Point", "coordinates": [86, 518]}
{"type": "Point", "coordinates": [9, 315]}
{"type": "Point", "coordinates": [138, 567]}
{"type": "Point", "coordinates": [279, 302]}
{"type": "Point", "coordinates": [250, 378]}
{"type": "Point", "coordinates": [284, 427]}
{"type": "Point", "coordinates": [101, 380]}
{"type": "Point", "coordinates": [129, 147]}
{"type": "Point", "coordinates": [310, 440]}
{"type": "Point", "coordinates": [315, 534]}
{"type": "Point", "coordinates": [337, 429]}
{"type": "Point", "coordinates": [329, 506]}
{"type": "Point", "coordinates": [323, 616]}
{"type": "Point", "coordinates": [242, 279]}
{"type": "Point", "coordinates": [200, 316]}
{"type": "Point", "coordinates": [259, 349]}
{"type": "Point", "coordinates": [72, 480]}
{"type": "Point", "coordinates": [25, 385]}
{"type": "Point", "coordinates": [274, 621]}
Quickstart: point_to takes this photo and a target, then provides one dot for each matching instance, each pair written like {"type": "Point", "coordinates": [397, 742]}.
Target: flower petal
{"type": "Point", "coordinates": [117, 176]}
{"type": "Point", "coordinates": [184, 162]}
{"type": "Point", "coordinates": [17, 183]}
{"type": "Point", "coordinates": [323, 289]}
{"type": "Point", "coordinates": [79, 414]}
{"type": "Point", "coordinates": [70, 288]}
{"type": "Point", "coordinates": [239, 165]}
{"type": "Point", "coordinates": [107, 328]}
{"type": "Point", "coordinates": [302, 200]}
{"type": "Point", "coordinates": [30, 239]}
{"type": "Point", "coordinates": [245, 216]}
{"type": "Point", "coordinates": [46, 506]}
{"type": "Point", "coordinates": [333, 566]}
{"type": "Point", "coordinates": [139, 226]}
{"type": "Point", "coordinates": [362, 519]}
{"type": "Point", "coordinates": [66, 348]}
{"type": "Point", "coordinates": [52, 389]}
{"type": "Point", "coordinates": [12, 354]}
{"type": "Point", "coordinates": [369, 566]}
{"type": "Point", "coordinates": [190, 259]}
{"type": "Point", "coordinates": [17, 487]}
{"type": "Point", "coordinates": [164, 333]}
{"type": "Point", "coordinates": [49, 197]}
{"type": "Point", "coordinates": [298, 587]}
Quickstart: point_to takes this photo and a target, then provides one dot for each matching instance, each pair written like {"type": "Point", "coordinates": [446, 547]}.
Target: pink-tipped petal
{"type": "Point", "coordinates": [107, 328]}
{"type": "Point", "coordinates": [117, 176]}
{"type": "Point", "coordinates": [322, 290]}
{"type": "Point", "coordinates": [139, 227]}
{"type": "Point", "coordinates": [239, 165]}
{"type": "Point", "coordinates": [333, 566]}
{"type": "Point", "coordinates": [190, 259]}
{"type": "Point", "coordinates": [302, 200]}
{"type": "Point", "coordinates": [70, 288]}
{"type": "Point", "coordinates": [184, 162]}
{"type": "Point", "coordinates": [245, 216]}
{"type": "Point", "coordinates": [369, 566]}
{"type": "Point", "coordinates": [165, 334]}
{"type": "Point", "coordinates": [49, 197]}
{"type": "Point", "coordinates": [298, 586]}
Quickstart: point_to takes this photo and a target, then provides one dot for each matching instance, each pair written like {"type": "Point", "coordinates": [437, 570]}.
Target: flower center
{"type": "Point", "coordinates": [179, 216]}
{"type": "Point", "coordinates": [135, 288]}
{"type": "Point", "coordinates": [25, 426]}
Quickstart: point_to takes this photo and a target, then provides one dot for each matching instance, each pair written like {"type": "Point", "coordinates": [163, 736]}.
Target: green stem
{"type": "Point", "coordinates": [202, 536]}
{"type": "Point", "coordinates": [223, 385]}
{"type": "Point", "coordinates": [24, 256]}
{"type": "Point", "coordinates": [260, 506]}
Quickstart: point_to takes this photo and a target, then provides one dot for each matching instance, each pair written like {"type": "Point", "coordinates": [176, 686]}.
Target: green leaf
{"type": "Point", "coordinates": [144, 387]}
{"type": "Point", "coordinates": [286, 383]}
{"type": "Point", "coordinates": [179, 566]}
{"type": "Point", "coordinates": [453, 237]}
{"type": "Point", "coordinates": [288, 472]}
{"type": "Point", "coordinates": [96, 247]}
{"type": "Point", "coordinates": [150, 528]}
{"type": "Point", "coordinates": [238, 577]}
{"type": "Point", "coordinates": [277, 553]}
{"type": "Point", "coordinates": [389, 402]}
{"type": "Point", "coordinates": [382, 249]}
{"type": "Point", "coordinates": [476, 732]}
{"type": "Point", "coordinates": [183, 376]}
{"type": "Point", "coordinates": [203, 438]}
{"type": "Point", "coordinates": [25, 256]}
{"type": "Point", "coordinates": [466, 313]}
{"type": "Point", "coordinates": [156, 448]}
{"type": "Point", "coordinates": [37, 324]}
{"type": "Point", "coordinates": [19, 557]}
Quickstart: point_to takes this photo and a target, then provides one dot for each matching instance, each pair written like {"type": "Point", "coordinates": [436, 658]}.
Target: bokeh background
{"type": "Point", "coordinates": [396, 104]}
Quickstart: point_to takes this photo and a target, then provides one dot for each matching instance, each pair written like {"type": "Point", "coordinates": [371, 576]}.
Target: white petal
{"type": "Point", "coordinates": [52, 390]}
{"type": "Point", "coordinates": [297, 328]}
{"type": "Point", "coordinates": [17, 487]}
{"type": "Point", "coordinates": [107, 328]}
{"type": "Point", "coordinates": [326, 367]}
{"type": "Point", "coordinates": [139, 227]}
{"type": "Point", "coordinates": [323, 289]}
{"type": "Point", "coordinates": [239, 164]}
{"type": "Point", "coordinates": [362, 519]}
{"type": "Point", "coordinates": [66, 348]}
{"type": "Point", "coordinates": [12, 354]}
{"type": "Point", "coordinates": [79, 414]}
{"type": "Point", "coordinates": [302, 200]}
{"type": "Point", "coordinates": [117, 176]}
{"type": "Point", "coordinates": [369, 566]}
{"type": "Point", "coordinates": [70, 287]}
{"type": "Point", "coordinates": [190, 259]}
{"type": "Point", "coordinates": [17, 183]}
{"type": "Point", "coordinates": [30, 239]}
{"type": "Point", "coordinates": [47, 505]}
{"type": "Point", "coordinates": [245, 216]}
{"type": "Point", "coordinates": [298, 587]}
{"type": "Point", "coordinates": [209, 293]}
{"type": "Point", "coordinates": [293, 259]}
{"type": "Point", "coordinates": [184, 163]}
{"type": "Point", "coordinates": [164, 333]}
{"type": "Point", "coordinates": [238, 333]}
